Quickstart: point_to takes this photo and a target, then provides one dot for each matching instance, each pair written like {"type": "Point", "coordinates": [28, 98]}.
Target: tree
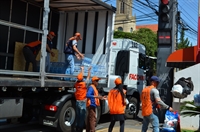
{"type": "Point", "coordinates": [184, 43]}
{"type": "Point", "coordinates": [144, 36]}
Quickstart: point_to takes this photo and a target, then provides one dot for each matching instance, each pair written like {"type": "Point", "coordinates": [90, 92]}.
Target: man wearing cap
{"type": "Point", "coordinates": [71, 50]}
{"type": "Point", "coordinates": [31, 50]}
{"type": "Point", "coordinates": [80, 95]}
{"type": "Point", "coordinates": [151, 102]}
{"type": "Point", "coordinates": [117, 104]}
{"type": "Point", "coordinates": [50, 37]}
{"type": "Point", "coordinates": [92, 102]}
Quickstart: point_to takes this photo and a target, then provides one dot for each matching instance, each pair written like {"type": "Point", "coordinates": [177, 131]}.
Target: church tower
{"type": "Point", "coordinates": [124, 21]}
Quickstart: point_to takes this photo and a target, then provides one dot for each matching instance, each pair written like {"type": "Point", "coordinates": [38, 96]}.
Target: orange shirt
{"type": "Point", "coordinates": [115, 102]}
{"type": "Point", "coordinates": [81, 90]}
{"type": "Point", "coordinates": [34, 43]}
{"type": "Point", "coordinates": [146, 101]}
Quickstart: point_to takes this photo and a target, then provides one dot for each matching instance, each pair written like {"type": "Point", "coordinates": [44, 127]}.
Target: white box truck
{"type": "Point", "coordinates": [52, 101]}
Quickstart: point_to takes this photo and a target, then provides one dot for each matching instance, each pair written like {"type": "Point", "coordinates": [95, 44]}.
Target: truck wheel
{"type": "Point", "coordinates": [67, 117]}
{"type": "Point", "coordinates": [98, 114]}
{"type": "Point", "coordinates": [132, 108]}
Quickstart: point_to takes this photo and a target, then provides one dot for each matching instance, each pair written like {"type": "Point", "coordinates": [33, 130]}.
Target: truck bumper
{"type": "Point", "coordinates": [49, 121]}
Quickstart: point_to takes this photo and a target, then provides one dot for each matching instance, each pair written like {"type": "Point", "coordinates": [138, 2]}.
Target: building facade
{"type": "Point", "coordinates": [153, 27]}
{"type": "Point", "coordinates": [124, 20]}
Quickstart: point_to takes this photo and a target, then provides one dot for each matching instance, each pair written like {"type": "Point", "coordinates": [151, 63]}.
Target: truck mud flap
{"type": "Point", "coordinates": [11, 107]}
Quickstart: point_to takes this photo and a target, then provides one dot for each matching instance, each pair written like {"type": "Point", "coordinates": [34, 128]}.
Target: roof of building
{"type": "Point", "coordinates": [153, 27]}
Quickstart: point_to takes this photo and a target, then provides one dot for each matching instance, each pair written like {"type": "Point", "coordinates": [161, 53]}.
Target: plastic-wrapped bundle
{"type": "Point", "coordinates": [102, 71]}
{"type": "Point", "coordinates": [86, 61]}
{"type": "Point", "coordinates": [57, 67]}
{"type": "Point", "coordinates": [197, 99]}
{"type": "Point", "coordinates": [77, 68]}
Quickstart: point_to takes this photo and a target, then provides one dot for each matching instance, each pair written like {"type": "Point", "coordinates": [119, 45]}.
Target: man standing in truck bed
{"type": "Point", "coordinates": [31, 50]}
{"type": "Point", "coordinates": [71, 50]}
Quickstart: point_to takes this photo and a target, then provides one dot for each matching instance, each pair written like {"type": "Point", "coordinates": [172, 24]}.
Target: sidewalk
{"type": "Point", "coordinates": [116, 129]}
{"type": "Point", "coordinates": [127, 128]}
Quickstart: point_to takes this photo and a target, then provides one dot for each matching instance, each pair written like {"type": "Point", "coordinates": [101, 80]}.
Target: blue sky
{"type": "Point", "coordinates": [145, 15]}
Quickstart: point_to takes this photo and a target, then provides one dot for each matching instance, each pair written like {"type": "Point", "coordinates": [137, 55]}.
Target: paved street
{"type": "Point", "coordinates": [131, 125]}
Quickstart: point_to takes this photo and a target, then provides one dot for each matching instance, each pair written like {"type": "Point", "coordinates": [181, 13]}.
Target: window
{"type": "Point", "coordinates": [122, 7]}
{"type": "Point", "coordinates": [131, 30]}
{"type": "Point", "coordinates": [141, 63]}
{"type": "Point", "coordinates": [120, 29]}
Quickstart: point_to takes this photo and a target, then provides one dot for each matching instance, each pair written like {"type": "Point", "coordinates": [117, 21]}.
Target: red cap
{"type": "Point", "coordinates": [52, 33]}
{"type": "Point", "coordinates": [80, 77]}
{"type": "Point", "coordinates": [95, 78]}
{"type": "Point", "coordinates": [118, 81]}
{"type": "Point", "coordinates": [78, 35]}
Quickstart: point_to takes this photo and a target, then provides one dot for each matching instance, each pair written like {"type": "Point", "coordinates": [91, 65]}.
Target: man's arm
{"type": "Point", "coordinates": [88, 76]}
{"type": "Point", "coordinates": [77, 51]}
{"type": "Point", "coordinates": [49, 50]}
{"type": "Point", "coordinates": [82, 69]}
{"type": "Point", "coordinates": [159, 101]}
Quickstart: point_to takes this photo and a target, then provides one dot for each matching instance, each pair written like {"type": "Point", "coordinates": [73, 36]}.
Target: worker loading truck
{"type": "Point", "coordinates": [52, 100]}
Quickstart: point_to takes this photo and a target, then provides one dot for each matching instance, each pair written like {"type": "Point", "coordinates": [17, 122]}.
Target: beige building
{"type": "Point", "coordinates": [124, 21]}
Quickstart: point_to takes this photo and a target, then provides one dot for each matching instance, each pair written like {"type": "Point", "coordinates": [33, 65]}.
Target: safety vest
{"type": "Point", "coordinates": [34, 43]}
{"type": "Point", "coordinates": [95, 94]}
{"type": "Point", "coordinates": [34, 46]}
{"type": "Point", "coordinates": [81, 90]}
{"type": "Point", "coordinates": [115, 102]}
{"type": "Point", "coordinates": [146, 101]}
{"type": "Point", "coordinates": [69, 47]}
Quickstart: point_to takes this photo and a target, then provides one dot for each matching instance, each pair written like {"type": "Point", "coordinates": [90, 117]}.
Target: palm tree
{"type": "Point", "coordinates": [189, 109]}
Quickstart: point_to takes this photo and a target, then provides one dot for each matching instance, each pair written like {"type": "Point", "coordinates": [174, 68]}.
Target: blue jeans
{"type": "Point", "coordinates": [69, 60]}
{"type": "Point", "coordinates": [153, 119]}
{"type": "Point", "coordinates": [80, 114]}
{"type": "Point", "coordinates": [47, 64]}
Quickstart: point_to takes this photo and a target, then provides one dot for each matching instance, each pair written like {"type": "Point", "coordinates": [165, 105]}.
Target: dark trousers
{"type": "Point", "coordinates": [112, 123]}
{"type": "Point", "coordinates": [91, 119]}
{"type": "Point", "coordinates": [30, 58]}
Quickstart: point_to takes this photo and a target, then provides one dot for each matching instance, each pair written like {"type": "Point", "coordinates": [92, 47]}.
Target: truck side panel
{"type": "Point", "coordinates": [29, 15]}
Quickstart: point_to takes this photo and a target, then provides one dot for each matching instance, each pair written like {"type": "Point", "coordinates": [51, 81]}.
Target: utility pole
{"type": "Point", "coordinates": [166, 45]}
{"type": "Point", "coordinates": [198, 37]}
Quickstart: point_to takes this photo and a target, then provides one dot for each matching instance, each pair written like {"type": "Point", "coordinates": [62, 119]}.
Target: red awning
{"type": "Point", "coordinates": [182, 58]}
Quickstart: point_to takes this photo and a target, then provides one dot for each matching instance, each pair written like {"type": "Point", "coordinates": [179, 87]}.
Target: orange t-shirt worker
{"type": "Point", "coordinates": [117, 105]}
{"type": "Point", "coordinates": [80, 95]}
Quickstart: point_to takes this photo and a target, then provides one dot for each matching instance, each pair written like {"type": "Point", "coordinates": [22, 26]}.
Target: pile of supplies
{"type": "Point", "coordinates": [172, 120]}
{"type": "Point", "coordinates": [197, 99]}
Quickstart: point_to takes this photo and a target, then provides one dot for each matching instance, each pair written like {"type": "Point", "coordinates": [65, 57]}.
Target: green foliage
{"type": "Point", "coordinates": [189, 109]}
{"type": "Point", "coordinates": [183, 43]}
{"type": "Point", "coordinates": [144, 36]}
{"type": "Point", "coordinates": [184, 130]}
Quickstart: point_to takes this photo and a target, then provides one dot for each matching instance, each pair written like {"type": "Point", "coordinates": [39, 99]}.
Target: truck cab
{"type": "Point", "coordinates": [127, 61]}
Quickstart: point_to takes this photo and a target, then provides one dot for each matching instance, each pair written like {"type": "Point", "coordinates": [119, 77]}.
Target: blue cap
{"type": "Point", "coordinates": [155, 78]}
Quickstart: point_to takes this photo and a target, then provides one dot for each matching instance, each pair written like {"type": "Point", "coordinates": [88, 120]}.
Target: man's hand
{"type": "Point", "coordinates": [81, 55]}
{"type": "Point", "coordinates": [82, 68]}
{"type": "Point", "coordinates": [89, 68]}
{"type": "Point", "coordinates": [78, 57]}
{"type": "Point", "coordinates": [102, 97]}
{"type": "Point", "coordinates": [52, 54]}
{"type": "Point", "coordinates": [171, 109]}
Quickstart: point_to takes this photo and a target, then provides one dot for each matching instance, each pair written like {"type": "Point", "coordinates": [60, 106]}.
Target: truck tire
{"type": "Point", "coordinates": [67, 116]}
{"type": "Point", "coordinates": [98, 115]}
{"type": "Point", "coordinates": [132, 108]}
